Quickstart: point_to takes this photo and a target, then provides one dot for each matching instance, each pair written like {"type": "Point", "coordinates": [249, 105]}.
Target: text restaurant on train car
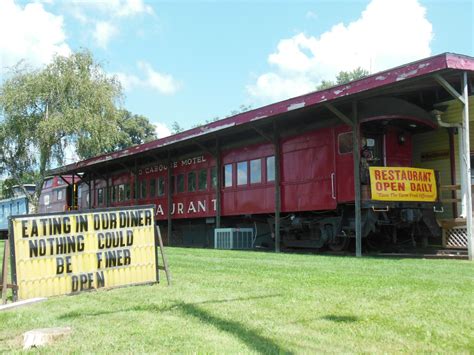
{"type": "Point", "coordinates": [364, 160]}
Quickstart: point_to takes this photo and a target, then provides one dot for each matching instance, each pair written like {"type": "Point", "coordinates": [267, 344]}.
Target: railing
{"type": "Point", "coordinates": [451, 188]}
{"type": "Point", "coordinates": [454, 229]}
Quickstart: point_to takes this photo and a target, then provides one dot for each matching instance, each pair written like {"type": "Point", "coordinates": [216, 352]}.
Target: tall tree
{"type": "Point", "coordinates": [344, 77]}
{"type": "Point", "coordinates": [176, 127]}
{"type": "Point", "coordinates": [131, 130]}
{"type": "Point", "coordinates": [70, 102]}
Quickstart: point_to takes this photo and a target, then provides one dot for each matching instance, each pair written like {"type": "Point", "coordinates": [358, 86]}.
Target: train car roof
{"type": "Point", "coordinates": [415, 82]}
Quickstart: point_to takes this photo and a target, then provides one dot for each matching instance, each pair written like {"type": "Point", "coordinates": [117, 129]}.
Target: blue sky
{"type": "Point", "coordinates": [189, 61]}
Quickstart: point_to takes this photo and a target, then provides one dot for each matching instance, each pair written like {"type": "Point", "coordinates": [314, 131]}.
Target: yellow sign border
{"type": "Point", "coordinates": [429, 188]}
{"type": "Point", "coordinates": [13, 239]}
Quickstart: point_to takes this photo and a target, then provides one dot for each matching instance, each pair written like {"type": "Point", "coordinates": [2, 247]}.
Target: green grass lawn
{"type": "Point", "coordinates": [234, 302]}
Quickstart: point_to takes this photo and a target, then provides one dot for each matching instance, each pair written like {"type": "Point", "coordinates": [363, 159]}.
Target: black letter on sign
{"type": "Point", "coordinates": [24, 228]}
{"type": "Point", "coordinates": [75, 283]}
{"type": "Point", "coordinates": [129, 237]}
{"type": "Point", "coordinates": [59, 266]}
{"type": "Point", "coordinates": [100, 279]}
{"type": "Point", "coordinates": [68, 265]}
{"type": "Point", "coordinates": [99, 259]}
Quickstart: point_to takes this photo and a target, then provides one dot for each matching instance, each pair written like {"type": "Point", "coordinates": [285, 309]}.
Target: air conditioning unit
{"type": "Point", "coordinates": [233, 238]}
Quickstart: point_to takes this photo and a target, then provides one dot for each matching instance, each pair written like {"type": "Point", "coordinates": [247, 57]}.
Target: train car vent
{"type": "Point", "coordinates": [233, 238]}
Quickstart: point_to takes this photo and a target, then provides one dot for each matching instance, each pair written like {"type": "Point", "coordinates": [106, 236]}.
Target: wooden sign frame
{"type": "Point", "coordinates": [9, 251]}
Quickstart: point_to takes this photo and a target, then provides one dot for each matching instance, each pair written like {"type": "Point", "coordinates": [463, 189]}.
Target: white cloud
{"type": "Point", "coordinates": [114, 8]}
{"type": "Point", "coordinates": [30, 32]}
{"type": "Point", "coordinates": [164, 83]}
{"type": "Point", "coordinates": [150, 78]}
{"type": "Point", "coordinates": [103, 32]}
{"type": "Point", "coordinates": [106, 16]}
{"type": "Point", "coordinates": [388, 33]}
{"type": "Point", "coordinates": [162, 130]}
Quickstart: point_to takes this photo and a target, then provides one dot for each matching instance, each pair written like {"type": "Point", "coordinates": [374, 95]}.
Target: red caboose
{"type": "Point", "coordinates": [292, 169]}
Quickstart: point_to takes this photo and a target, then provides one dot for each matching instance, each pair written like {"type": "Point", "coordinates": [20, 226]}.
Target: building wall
{"type": "Point", "coordinates": [431, 150]}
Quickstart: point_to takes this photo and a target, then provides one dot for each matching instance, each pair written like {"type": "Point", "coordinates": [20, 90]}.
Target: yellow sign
{"type": "Point", "coordinates": [402, 184]}
{"type": "Point", "coordinates": [55, 254]}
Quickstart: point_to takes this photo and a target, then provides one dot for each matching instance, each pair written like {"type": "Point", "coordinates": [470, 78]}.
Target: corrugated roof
{"type": "Point", "coordinates": [379, 80]}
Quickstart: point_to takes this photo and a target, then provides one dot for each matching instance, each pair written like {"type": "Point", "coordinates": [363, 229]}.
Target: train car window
{"type": "Point", "coordinates": [202, 180]}
{"type": "Point", "coordinates": [152, 187]}
{"type": "Point", "coordinates": [271, 168]}
{"type": "Point", "coordinates": [127, 192]}
{"type": "Point", "coordinates": [114, 193]}
{"type": "Point", "coordinates": [161, 186]}
{"type": "Point", "coordinates": [100, 196]}
{"type": "Point", "coordinates": [191, 181]}
{"type": "Point", "coordinates": [121, 192]}
{"type": "Point", "coordinates": [344, 142]}
{"type": "Point", "coordinates": [180, 183]}
{"type": "Point", "coordinates": [255, 171]}
{"type": "Point", "coordinates": [213, 177]}
{"type": "Point", "coordinates": [46, 199]}
{"type": "Point", "coordinates": [59, 195]}
{"type": "Point", "coordinates": [228, 175]}
{"type": "Point", "coordinates": [48, 183]}
{"type": "Point", "coordinates": [242, 177]}
{"type": "Point", "coordinates": [143, 189]}
{"type": "Point", "coordinates": [173, 184]}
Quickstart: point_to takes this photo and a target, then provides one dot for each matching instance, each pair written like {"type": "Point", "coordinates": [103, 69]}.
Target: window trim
{"type": "Point", "coordinates": [339, 144]}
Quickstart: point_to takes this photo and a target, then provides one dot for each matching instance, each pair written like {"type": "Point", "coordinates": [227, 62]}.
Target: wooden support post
{"type": "Point", "coordinates": [107, 192]}
{"type": "Point", "coordinates": [276, 146]}
{"type": "Point", "coordinates": [356, 155]}
{"type": "Point", "coordinates": [452, 165]}
{"type": "Point", "coordinates": [170, 200]}
{"type": "Point", "coordinates": [73, 192]}
{"type": "Point", "coordinates": [466, 161]}
{"type": "Point", "coordinates": [218, 183]}
{"type": "Point", "coordinates": [134, 188]}
{"type": "Point", "coordinates": [163, 256]}
{"type": "Point", "coordinates": [6, 255]}
{"type": "Point", "coordinates": [90, 193]}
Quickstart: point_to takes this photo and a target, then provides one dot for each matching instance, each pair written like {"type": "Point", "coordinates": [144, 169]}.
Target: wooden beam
{"type": "Point", "coordinates": [126, 167]}
{"type": "Point", "coordinates": [466, 161]}
{"type": "Point", "coordinates": [356, 155]}
{"type": "Point", "coordinates": [170, 199]}
{"type": "Point", "coordinates": [276, 145]}
{"type": "Point", "coordinates": [339, 114]}
{"type": "Point", "coordinates": [204, 148]}
{"type": "Point", "coordinates": [107, 192]}
{"type": "Point", "coordinates": [262, 133]}
{"type": "Point", "coordinates": [218, 183]}
{"type": "Point", "coordinates": [447, 86]}
{"type": "Point", "coordinates": [90, 193]}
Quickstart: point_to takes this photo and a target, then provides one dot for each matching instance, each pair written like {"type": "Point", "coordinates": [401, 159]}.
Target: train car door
{"type": "Point", "coordinates": [344, 164]}
{"type": "Point", "coordinates": [308, 172]}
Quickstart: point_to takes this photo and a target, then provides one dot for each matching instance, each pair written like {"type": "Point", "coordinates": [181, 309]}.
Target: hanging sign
{"type": "Point", "coordinates": [55, 254]}
{"type": "Point", "coordinates": [402, 184]}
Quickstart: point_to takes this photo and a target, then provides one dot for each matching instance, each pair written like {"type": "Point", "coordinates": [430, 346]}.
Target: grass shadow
{"type": "Point", "coordinates": [151, 307]}
{"type": "Point", "coordinates": [340, 319]}
{"type": "Point", "coordinates": [250, 337]}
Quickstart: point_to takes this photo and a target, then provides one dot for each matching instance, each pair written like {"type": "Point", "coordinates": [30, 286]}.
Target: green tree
{"type": "Point", "coordinates": [70, 102]}
{"type": "Point", "coordinates": [176, 127]}
{"type": "Point", "coordinates": [242, 108]}
{"type": "Point", "coordinates": [132, 129]}
{"type": "Point", "coordinates": [344, 77]}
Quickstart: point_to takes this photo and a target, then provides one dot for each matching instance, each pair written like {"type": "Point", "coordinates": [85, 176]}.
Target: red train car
{"type": "Point", "coordinates": [59, 194]}
{"type": "Point", "coordinates": [288, 168]}
{"type": "Point", "coordinates": [317, 184]}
